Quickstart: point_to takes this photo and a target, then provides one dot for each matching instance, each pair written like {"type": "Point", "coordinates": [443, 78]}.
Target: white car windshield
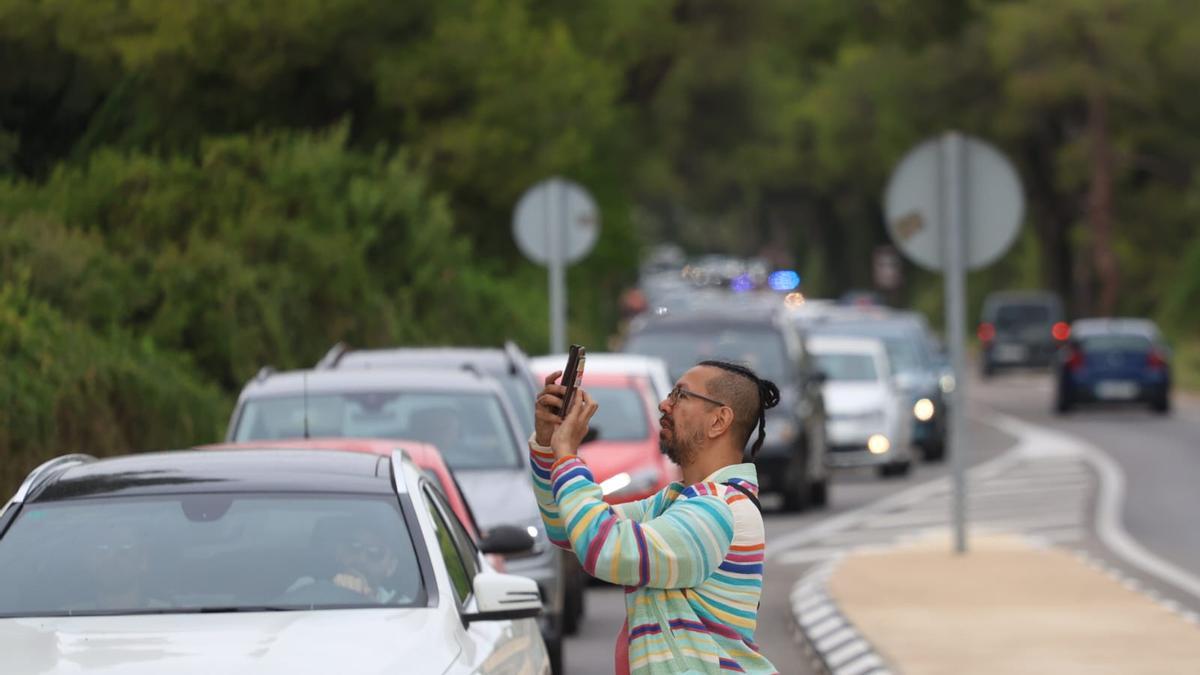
{"type": "Point", "coordinates": [470, 430]}
{"type": "Point", "coordinates": [848, 367]}
{"type": "Point", "coordinates": [208, 553]}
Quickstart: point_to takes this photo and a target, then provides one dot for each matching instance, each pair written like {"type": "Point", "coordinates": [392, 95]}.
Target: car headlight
{"type": "Point", "coordinates": [640, 481]}
{"type": "Point", "coordinates": [781, 431]}
{"type": "Point", "coordinates": [923, 410]}
{"type": "Point", "coordinates": [878, 444]}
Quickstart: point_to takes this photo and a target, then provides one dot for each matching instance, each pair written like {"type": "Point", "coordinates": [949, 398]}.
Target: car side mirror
{"type": "Point", "coordinates": [504, 597]}
{"type": "Point", "coordinates": [592, 434]}
{"type": "Point", "coordinates": [506, 539]}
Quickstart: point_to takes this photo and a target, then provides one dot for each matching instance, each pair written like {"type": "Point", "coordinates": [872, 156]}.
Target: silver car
{"type": "Point", "coordinates": [464, 414]}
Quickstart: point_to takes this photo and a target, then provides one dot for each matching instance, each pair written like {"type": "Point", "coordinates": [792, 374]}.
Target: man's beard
{"type": "Point", "coordinates": [681, 450]}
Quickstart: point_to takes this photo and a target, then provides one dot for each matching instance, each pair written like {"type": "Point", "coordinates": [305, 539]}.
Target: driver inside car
{"type": "Point", "coordinates": [360, 561]}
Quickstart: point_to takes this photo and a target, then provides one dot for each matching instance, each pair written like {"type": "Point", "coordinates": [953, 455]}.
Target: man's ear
{"type": "Point", "coordinates": [720, 422]}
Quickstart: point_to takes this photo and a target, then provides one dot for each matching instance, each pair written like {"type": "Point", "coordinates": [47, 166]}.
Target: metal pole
{"type": "Point", "coordinates": [954, 227]}
{"type": "Point", "coordinates": [556, 214]}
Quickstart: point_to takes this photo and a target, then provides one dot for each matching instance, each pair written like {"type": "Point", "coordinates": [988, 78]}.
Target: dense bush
{"type": "Point", "coordinates": [65, 388]}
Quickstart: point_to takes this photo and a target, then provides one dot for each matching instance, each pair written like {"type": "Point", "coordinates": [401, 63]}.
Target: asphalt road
{"type": "Point", "coordinates": [1160, 457]}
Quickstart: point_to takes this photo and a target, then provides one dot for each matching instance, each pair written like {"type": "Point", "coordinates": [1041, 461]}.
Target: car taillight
{"type": "Point", "coordinates": [1074, 359]}
{"type": "Point", "coordinates": [986, 332]}
{"type": "Point", "coordinates": [1156, 361]}
{"type": "Point", "coordinates": [1061, 331]}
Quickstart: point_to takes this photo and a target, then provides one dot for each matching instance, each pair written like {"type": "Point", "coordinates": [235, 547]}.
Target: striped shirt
{"type": "Point", "coordinates": [690, 559]}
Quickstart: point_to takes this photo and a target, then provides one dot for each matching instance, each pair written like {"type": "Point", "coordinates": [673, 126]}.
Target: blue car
{"type": "Point", "coordinates": [1114, 360]}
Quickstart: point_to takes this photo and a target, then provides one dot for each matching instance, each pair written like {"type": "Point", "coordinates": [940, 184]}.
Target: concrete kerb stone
{"type": "Point", "coordinates": [833, 645]}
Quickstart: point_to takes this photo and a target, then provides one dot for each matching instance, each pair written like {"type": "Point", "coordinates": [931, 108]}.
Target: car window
{"type": "Point", "coordinates": [470, 430]}
{"type": "Point", "coordinates": [848, 367]}
{"type": "Point", "coordinates": [520, 398]}
{"type": "Point", "coordinates": [208, 552]}
{"type": "Point", "coordinates": [761, 349]}
{"type": "Point", "coordinates": [906, 349]}
{"type": "Point", "coordinates": [461, 567]}
{"type": "Point", "coordinates": [1013, 315]}
{"type": "Point", "coordinates": [622, 415]}
{"type": "Point", "coordinates": [1115, 343]}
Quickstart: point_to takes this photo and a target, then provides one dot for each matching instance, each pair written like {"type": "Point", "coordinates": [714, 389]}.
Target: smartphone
{"type": "Point", "coordinates": [572, 376]}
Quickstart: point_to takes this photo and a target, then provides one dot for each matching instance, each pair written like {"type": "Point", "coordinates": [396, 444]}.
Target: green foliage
{"type": "Point", "coordinates": [65, 388]}
{"type": "Point", "coordinates": [263, 249]}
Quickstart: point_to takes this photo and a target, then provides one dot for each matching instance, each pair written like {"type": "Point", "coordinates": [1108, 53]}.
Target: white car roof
{"type": "Point", "coordinates": [616, 363]}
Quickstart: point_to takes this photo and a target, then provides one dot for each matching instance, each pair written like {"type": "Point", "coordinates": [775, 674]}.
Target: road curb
{"type": "Point", "coordinates": [832, 643]}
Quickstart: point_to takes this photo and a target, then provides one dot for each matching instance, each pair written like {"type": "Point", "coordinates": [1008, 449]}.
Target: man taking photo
{"type": "Point", "coordinates": [690, 556]}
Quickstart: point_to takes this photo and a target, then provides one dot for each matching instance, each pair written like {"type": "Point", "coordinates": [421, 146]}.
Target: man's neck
{"type": "Point", "coordinates": [707, 462]}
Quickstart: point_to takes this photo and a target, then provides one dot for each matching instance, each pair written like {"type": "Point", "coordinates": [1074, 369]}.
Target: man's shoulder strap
{"type": "Point", "coordinates": [746, 491]}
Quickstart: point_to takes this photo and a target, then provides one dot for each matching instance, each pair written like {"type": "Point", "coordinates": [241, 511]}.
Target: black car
{"type": "Point", "coordinates": [792, 459]}
{"type": "Point", "coordinates": [1114, 361]}
{"type": "Point", "coordinates": [1020, 329]}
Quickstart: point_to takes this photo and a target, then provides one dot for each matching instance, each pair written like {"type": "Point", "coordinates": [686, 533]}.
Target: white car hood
{"type": "Point", "coordinates": [850, 398]}
{"type": "Point", "coordinates": [331, 641]}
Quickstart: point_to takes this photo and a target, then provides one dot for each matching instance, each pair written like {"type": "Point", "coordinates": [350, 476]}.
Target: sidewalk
{"type": "Point", "coordinates": [1006, 607]}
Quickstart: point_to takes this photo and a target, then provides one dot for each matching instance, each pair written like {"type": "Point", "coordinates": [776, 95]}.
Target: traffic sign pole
{"type": "Point", "coordinates": [555, 212]}
{"type": "Point", "coordinates": [953, 226]}
{"type": "Point", "coordinates": [556, 223]}
{"type": "Point", "coordinates": [954, 203]}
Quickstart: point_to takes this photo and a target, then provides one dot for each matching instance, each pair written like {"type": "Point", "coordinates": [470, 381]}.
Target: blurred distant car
{"type": "Point", "coordinates": [792, 459]}
{"type": "Point", "coordinates": [870, 423]}
{"type": "Point", "coordinates": [273, 562]}
{"type": "Point", "coordinates": [626, 458]}
{"type": "Point", "coordinates": [1114, 360]}
{"type": "Point", "coordinates": [861, 298]}
{"type": "Point", "coordinates": [462, 412]}
{"type": "Point", "coordinates": [915, 370]}
{"type": "Point", "coordinates": [508, 365]}
{"type": "Point", "coordinates": [609, 363]}
{"type": "Point", "coordinates": [1020, 329]}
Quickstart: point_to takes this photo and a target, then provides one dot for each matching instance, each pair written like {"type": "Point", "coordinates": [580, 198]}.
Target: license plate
{"type": "Point", "coordinates": [1011, 352]}
{"type": "Point", "coordinates": [1116, 390]}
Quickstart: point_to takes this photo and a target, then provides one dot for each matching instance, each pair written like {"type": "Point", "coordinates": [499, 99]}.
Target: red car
{"type": "Point", "coordinates": [626, 458]}
{"type": "Point", "coordinates": [423, 455]}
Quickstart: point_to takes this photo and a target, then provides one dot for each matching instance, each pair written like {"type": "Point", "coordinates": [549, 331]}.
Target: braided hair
{"type": "Point", "coordinates": [768, 396]}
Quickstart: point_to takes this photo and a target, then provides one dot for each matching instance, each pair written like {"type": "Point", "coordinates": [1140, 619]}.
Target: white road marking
{"type": "Point", "coordinates": [1109, 502]}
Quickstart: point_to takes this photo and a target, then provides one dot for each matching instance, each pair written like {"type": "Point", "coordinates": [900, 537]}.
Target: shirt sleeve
{"type": "Point", "coordinates": [541, 460]}
{"type": "Point", "coordinates": [678, 549]}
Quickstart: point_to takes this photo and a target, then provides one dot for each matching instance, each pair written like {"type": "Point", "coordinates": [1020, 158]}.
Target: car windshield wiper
{"type": "Point", "coordinates": [233, 609]}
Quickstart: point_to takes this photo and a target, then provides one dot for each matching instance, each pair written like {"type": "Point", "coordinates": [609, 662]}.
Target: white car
{"type": "Point", "coordinates": [869, 423]}
{"type": "Point", "coordinates": [610, 363]}
{"type": "Point", "coordinates": [254, 561]}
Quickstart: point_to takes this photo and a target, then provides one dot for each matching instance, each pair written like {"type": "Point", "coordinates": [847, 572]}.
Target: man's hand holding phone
{"type": "Point", "coordinates": [549, 402]}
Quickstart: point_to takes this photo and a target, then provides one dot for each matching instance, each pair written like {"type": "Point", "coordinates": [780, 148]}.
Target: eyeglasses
{"type": "Point", "coordinates": [368, 551]}
{"type": "Point", "coordinates": [679, 393]}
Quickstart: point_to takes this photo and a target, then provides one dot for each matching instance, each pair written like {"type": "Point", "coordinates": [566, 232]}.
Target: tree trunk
{"type": "Point", "coordinates": [1100, 206]}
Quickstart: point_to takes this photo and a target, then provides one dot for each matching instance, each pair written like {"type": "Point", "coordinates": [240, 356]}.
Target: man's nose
{"type": "Point", "coordinates": [664, 406]}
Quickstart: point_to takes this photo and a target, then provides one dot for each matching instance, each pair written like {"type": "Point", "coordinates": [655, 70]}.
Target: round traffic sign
{"type": "Point", "coordinates": [917, 203]}
{"type": "Point", "coordinates": [556, 211]}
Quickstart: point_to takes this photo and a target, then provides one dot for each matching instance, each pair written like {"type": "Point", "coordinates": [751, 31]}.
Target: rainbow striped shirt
{"type": "Point", "coordinates": [690, 558]}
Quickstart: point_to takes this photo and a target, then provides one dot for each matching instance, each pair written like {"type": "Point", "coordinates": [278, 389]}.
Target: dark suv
{"type": "Point", "coordinates": [1021, 329]}
{"type": "Point", "coordinates": [792, 459]}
